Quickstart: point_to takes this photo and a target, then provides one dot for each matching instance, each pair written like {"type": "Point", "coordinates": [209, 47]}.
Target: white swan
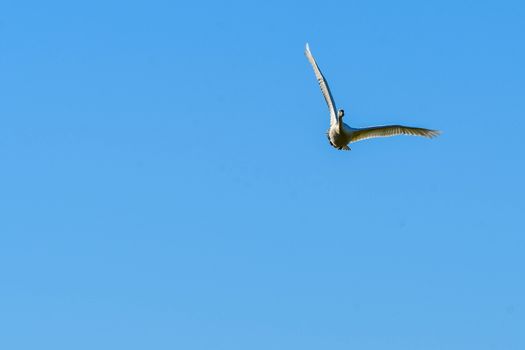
{"type": "Point", "coordinates": [340, 134]}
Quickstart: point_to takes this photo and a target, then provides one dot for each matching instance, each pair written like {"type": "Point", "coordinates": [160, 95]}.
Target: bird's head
{"type": "Point", "coordinates": [341, 113]}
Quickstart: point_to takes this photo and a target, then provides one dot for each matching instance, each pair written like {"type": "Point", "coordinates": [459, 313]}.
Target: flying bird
{"type": "Point", "coordinates": [340, 134]}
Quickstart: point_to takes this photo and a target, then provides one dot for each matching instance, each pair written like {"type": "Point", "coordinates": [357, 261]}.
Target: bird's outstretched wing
{"type": "Point", "coordinates": [323, 85]}
{"type": "Point", "coordinates": [391, 130]}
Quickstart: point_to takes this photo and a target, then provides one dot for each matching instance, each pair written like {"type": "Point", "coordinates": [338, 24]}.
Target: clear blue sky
{"type": "Point", "coordinates": [166, 182]}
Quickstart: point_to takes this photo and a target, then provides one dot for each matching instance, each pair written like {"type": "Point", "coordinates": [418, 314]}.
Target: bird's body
{"type": "Point", "coordinates": [341, 134]}
{"type": "Point", "coordinates": [339, 137]}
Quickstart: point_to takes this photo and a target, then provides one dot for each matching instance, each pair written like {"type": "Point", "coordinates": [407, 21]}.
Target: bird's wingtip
{"type": "Point", "coordinates": [434, 133]}
{"type": "Point", "coordinates": [307, 47]}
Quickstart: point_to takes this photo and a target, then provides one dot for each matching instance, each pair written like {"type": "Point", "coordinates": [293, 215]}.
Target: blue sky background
{"type": "Point", "coordinates": [166, 182]}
